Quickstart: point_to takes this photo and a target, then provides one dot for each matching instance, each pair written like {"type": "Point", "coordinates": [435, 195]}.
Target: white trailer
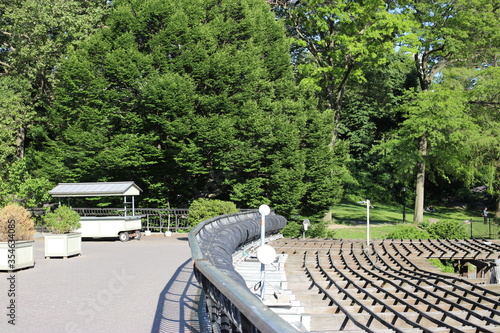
{"type": "Point", "coordinates": [105, 226]}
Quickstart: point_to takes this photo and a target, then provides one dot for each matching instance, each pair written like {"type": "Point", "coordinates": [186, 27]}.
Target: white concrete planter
{"type": "Point", "coordinates": [23, 253]}
{"type": "Point", "coordinates": [63, 245]}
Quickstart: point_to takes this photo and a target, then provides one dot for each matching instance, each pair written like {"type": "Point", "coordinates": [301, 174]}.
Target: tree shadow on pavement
{"type": "Point", "coordinates": [177, 309]}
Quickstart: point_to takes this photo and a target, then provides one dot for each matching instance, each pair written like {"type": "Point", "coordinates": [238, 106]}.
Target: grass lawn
{"type": "Point", "coordinates": [349, 219]}
{"type": "Point", "coordinates": [347, 211]}
{"type": "Point", "coordinates": [359, 232]}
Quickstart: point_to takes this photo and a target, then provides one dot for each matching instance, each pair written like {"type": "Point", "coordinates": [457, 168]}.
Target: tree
{"type": "Point", "coordinates": [335, 41]}
{"type": "Point", "coordinates": [35, 36]}
{"type": "Point", "coordinates": [18, 186]}
{"type": "Point", "coordinates": [442, 117]}
{"type": "Point", "coordinates": [191, 99]}
{"type": "Point", "coordinates": [371, 110]}
{"type": "Point", "coordinates": [485, 106]}
{"type": "Point", "coordinates": [447, 33]}
{"type": "Point", "coordinates": [15, 113]}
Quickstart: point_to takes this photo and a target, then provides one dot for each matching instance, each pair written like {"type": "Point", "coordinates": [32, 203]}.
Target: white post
{"type": "Point", "coordinates": [168, 233]}
{"type": "Point", "coordinates": [368, 223]}
{"type": "Point", "coordinates": [125, 205]}
{"type": "Point", "coordinates": [306, 223]}
{"type": "Point", "coordinates": [263, 210]}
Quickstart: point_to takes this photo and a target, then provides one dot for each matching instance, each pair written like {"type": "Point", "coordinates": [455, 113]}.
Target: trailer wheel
{"type": "Point", "coordinates": [138, 235]}
{"type": "Point", "coordinates": [123, 236]}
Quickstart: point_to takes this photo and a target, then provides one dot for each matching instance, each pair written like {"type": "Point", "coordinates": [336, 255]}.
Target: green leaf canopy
{"type": "Point", "coordinates": [190, 99]}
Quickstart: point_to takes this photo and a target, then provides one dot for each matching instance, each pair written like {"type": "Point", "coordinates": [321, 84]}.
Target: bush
{"type": "Point", "coordinates": [410, 232]}
{"type": "Point", "coordinates": [204, 209]}
{"type": "Point", "coordinates": [62, 220]}
{"type": "Point", "coordinates": [16, 221]}
{"type": "Point", "coordinates": [447, 229]}
{"type": "Point", "coordinates": [292, 229]}
{"type": "Point", "coordinates": [446, 266]}
{"type": "Point", "coordinates": [425, 224]}
{"type": "Point", "coordinates": [320, 230]}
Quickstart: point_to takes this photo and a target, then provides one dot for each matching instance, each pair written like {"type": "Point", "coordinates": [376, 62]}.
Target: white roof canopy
{"type": "Point", "coordinates": [95, 189]}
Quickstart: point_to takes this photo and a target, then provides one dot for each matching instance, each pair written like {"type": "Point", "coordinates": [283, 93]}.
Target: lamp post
{"type": "Point", "coordinates": [306, 223]}
{"type": "Point", "coordinates": [404, 204]}
{"type": "Point", "coordinates": [367, 202]}
{"type": "Point", "coordinates": [263, 210]}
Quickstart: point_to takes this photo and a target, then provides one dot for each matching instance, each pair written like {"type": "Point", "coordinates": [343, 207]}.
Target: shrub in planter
{"type": "Point", "coordinates": [64, 241]}
{"type": "Point", "coordinates": [62, 220]}
{"type": "Point", "coordinates": [16, 238]}
{"type": "Point", "coordinates": [16, 221]}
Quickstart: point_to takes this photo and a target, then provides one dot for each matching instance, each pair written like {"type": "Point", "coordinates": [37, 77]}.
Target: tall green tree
{"type": "Point", "coordinates": [335, 42]}
{"type": "Point", "coordinates": [443, 116]}
{"type": "Point", "coordinates": [191, 99]}
{"type": "Point", "coordinates": [485, 106]}
{"type": "Point", "coordinates": [17, 185]}
{"type": "Point", "coordinates": [446, 33]}
{"type": "Point", "coordinates": [35, 36]}
{"type": "Point", "coordinates": [371, 111]}
{"type": "Point", "coordinates": [15, 113]}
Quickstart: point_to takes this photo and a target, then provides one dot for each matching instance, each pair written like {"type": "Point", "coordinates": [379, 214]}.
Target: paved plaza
{"type": "Point", "coordinates": [134, 286]}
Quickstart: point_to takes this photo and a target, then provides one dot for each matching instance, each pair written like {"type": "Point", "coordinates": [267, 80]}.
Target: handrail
{"type": "Point", "coordinates": [212, 243]}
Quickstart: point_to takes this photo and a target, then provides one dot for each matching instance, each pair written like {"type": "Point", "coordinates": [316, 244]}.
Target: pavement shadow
{"type": "Point", "coordinates": [100, 239]}
{"type": "Point", "coordinates": [177, 309]}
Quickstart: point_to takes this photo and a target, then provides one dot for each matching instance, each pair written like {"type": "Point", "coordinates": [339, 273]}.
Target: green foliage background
{"type": "Point", "coordinates": [296, 107]}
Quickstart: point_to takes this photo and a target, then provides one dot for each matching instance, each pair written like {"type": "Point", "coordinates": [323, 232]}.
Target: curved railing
{"type": "Point", "coordinates": [232, 307]}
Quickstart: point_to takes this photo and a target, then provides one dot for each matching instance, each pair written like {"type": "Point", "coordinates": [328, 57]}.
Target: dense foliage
{"type": "Point", "coordinates": [446, 229]}
{"type": "Point", "coordinates": [190, 100]}
{"type": "Point", "coordinates": [409, 232]}
{"type": "Point", "coordinates": [295, 229]}
{"type": "Point", "coordinates": [295, 104]}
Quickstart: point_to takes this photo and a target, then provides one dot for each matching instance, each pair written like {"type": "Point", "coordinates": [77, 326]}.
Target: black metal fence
{"type": "Point", "coordinates": [490, 229]}
{"type": "Point", "coordinates": [156, 220]}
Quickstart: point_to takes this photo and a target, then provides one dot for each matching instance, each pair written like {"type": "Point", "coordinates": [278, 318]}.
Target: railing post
{"type": "Point", "coordinates": [489, 227]}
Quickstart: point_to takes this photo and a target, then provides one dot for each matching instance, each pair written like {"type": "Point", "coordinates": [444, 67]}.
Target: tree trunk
{"type": "Point", "coordinates": [497, 211]}
{"type": "Point", "coordinates": [418, 216]}
{"type": "Point", "coordinates": [337, 106]}
{"type": "Point", "coordinates": [20, 137]}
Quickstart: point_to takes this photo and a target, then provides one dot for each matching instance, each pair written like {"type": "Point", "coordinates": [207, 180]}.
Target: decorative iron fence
{"type": "Point", "coordinates": [161, 220]}
{"type": "Point", "coordinates": [153, 219]}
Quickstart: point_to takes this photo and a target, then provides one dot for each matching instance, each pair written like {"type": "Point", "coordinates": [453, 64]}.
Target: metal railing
{"type": "Point", "coordinates": [489, 229]}
{"type": "Point", "coordinates": [232, 307]}
{"type": "Point", "coordinates": [153, 219]}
